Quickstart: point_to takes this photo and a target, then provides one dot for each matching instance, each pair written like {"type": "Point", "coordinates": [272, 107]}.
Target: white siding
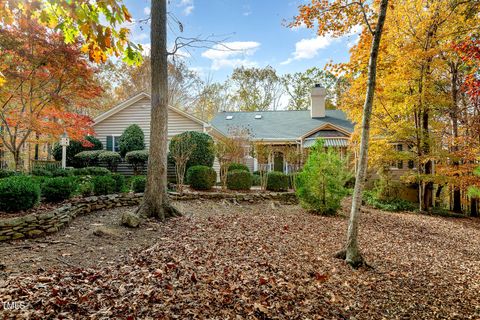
{"type": "Point", "coordinates": [139, 113]}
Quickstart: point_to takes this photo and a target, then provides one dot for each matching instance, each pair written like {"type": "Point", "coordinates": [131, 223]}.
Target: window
{"type": "Point", "coordinates": [112, 143]}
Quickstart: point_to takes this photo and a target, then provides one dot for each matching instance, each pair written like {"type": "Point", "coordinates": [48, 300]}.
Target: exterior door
{"type": "Point", "coordinates": [278, 162]}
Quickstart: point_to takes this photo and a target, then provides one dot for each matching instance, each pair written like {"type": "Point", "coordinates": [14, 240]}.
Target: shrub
{"type": "Point", "coordinates": [371, 198]}
{"type": "Point", "coordinates": [97, 171]}
{"type": "Point", "coordinates": [277, 181]}
{"type": "Point", "coordinates": [111, 159]}
{"type": "Point", "coordinates": [57, 189]}
{"type": "Point", "coordinates": [139, 183]}
{"type": "Point", "coordinates": [137, 159]}
{"type": "Point", "coordinates": [201, 177]}
{"type": "Point", "coordinates": [4, 173]}
{"type": "Point", "coordinates": [119, 182]}
{"type": "Point", "coordinates": [88, 158]}
{"type": "Point", "coordinates": [85, 188]}
{"type": "Point", "coordinates": [204, 154]}
{"type": "Point", "coordinates": [80, 172]}
{"type": "Point", "coordinates": [40, 172]}
{"type": "Point", "coordinates": [18, 193]}
{"type": "Point", "coordinates": [131, 139]}
{"type": "Point", "coordinates": [256, 180]}
{"type": "Point", "coordinates": [103, 185]}
{"type": "Point", "coordinates": [60, 172]}
{"type": "Point", "coordinates": [239, 180]}
{"type": "Point", "coordinates": [76, 147]}
{"type": "Point", "coordinates": [320, 186]}
{"type": "Point", "coordinates": [238, 166]}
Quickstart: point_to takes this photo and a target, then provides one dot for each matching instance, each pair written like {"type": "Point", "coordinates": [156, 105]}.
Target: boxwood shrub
{"type": "Point", "coordinates": [41, 172]}
{"type": "Point", "coordinates": [137, 160]}
{"type": "Point", "coordinates": [4, 173]}
{"type": "Point", "coordinates": [88, 158]}
{"type": "Point", "coordinates": [277, 181]}
{"type": "Point", "coordinates": [238, 166]}
{"type": "Point", "coordinates": [111, 159]}
{"type": "Point", "coordinates": [103, 185]}
{"type": "Point", "coordinates": [18, 193]}
{"type": "Point", "coordinates": [239, 180]}
{"type": "Point", "coordinates": [57, 189]}
{"type": "Point", "coordinates": [201, 177]}
{"type": "Point", "coordinates": [60, 172]}
{"type": "Point", "coordinates": [138, 184]}
{"type": "Point", "coordinates": [97, 171]}
{"type": "Point", "coordinates": [119, 182]}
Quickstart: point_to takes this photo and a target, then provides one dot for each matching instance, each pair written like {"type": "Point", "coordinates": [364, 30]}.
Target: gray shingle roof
{"type": "Point", "coordinates": [283, 124]}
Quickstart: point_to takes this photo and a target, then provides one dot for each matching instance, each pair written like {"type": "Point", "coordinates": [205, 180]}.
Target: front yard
{"type": "Point", "coordinates": [258, 261]}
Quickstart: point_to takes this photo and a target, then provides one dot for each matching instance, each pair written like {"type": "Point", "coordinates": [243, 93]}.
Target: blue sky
{"type": "Point", "coordinates": [253, 28]}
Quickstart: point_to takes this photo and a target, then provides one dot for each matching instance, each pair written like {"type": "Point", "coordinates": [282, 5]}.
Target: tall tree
{"type": "Point", "coordinates": [256, 88]}
{"type": "Point", "coordinates": [49, 87]}
{"type": "Point", "coordinates": [155, 201]}
{"type": "Point", "coordinates": [338, 17]}
{"type": "Point", "coordinates": [298, 87]}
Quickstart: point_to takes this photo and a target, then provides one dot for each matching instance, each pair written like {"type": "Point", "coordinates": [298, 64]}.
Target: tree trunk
{"type": "Point", "coordinates": [352, 251]}
{"type": "Point", "coordinates": [474, 207]}
{"type": "Point", "coordinates": [457, 196]}
{"type": "Point", "coordinates": [18, 160]}
{"type": "Point", "coordinates": [155, 201]}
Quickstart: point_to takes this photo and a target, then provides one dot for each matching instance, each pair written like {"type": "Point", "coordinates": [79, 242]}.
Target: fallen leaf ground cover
{"type": "Point", "coordinates": [223, 261]}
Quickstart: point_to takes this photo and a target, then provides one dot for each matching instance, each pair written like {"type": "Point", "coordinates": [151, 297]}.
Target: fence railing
{"type": "Point", "coordinates": [45, 164]}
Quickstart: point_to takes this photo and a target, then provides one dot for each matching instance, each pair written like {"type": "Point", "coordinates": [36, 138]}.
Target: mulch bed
{"type": "Point", "coordinates": [224, 261]}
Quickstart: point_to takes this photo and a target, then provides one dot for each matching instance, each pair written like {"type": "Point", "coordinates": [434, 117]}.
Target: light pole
{"type": "Point", "coordinates": [64, 142]}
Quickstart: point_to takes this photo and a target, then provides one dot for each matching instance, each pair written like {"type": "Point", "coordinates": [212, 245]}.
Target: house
{"type": "Point", "coordinates": [294, 128]}
{"type": "Point", "coordinates": [110, 125]}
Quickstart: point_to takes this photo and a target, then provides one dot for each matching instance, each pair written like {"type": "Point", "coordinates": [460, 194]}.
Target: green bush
{"type": "Point", "coordinates": [80, 172]}
{"type": "Point", "coordinates": [204, 151]}
{"type": "Point", "coordinates": [18, 193]}
{"type": "Point", "coordinates": [97, 171]}
{"type": "Point", "coordinates": [237, 166]}
{"type": "Point", "coordinates": [239, 180]}
{"type": "Point", "coordinates": [137, 160]}
{"type": "Point", "coordinates": [60, 172]}
{"type": "Point", "coordinates": [111, 159]}
{"type": "Point", "coordinates": [57, 189]}
{"type": "Point", "coordinates": [201, 177]}
{"type": "Point", "coordinates": [256, 180]}
{"type": "Point", "coordinates": [75, 147]}
{"type": "Point", "coordinates": [88, 158]}
{"type": "Point", "coordinates": [131, 139]}
{"type": "Point", "coordinates": [40, 172]}
{"type": "Point", "coordinates": [4, 173]}
{"type": "Point", "coordinates": [321, 184]}
{"type": "Point", "coordinates": [119, 182]}
{"type": "Point", "coordinates": [138, 184]}
{"type": "Point", "coordinates": [103, 185]}
{"type": "Point", "coordinates": [85, 188]}
{"type": "Point", "coordinates": [277, 181]}
{"type": "Point", "coordinates": [371, 198]}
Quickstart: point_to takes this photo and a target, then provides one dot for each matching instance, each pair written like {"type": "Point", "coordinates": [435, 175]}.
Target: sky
{"type": "Point", "coordinates": [251, 33]}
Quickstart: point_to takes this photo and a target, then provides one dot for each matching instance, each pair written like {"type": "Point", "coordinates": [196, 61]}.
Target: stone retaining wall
{"type": "Point", "coordinates": [35, 225]}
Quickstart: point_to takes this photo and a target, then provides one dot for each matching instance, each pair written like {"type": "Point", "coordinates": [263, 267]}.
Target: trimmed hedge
{"type": "Point", "coordinates": [238, 166]}
{"type": "Point", "coordinates": [256, 180]}
{"type": "Point", "coordinates": [137, 160]}
{"type": "Point", "coordinates": [91, 171]}
{"type": "Point", "coordinates": [138, 184]}
{"type": "Point", "coordinates": [111, 159]}
{"type": "Point", "coordinates": [18, 193]}
{"type": "Point", "coordinates": [6, 173]}
{"type": "Point", "coordinates": [201, 177]}
{"type": "Point", "coordinates": [40, 172]}
{"type": "Point", "coordinates": [103, 185]}
{"type": "Point", "coordinates": [60, 172]}
{"type": "Point", "coordinates": [277, 181]}
{"type": "Point", "coordinates": [57, 189]}
{"type": "Point", "coordinates": [76, 147]}
{"type": "Point", "coordinates": [119, 182]}
{"type": "Point", "coordinates": [131, 139]}
{"type": "Point", "coordinates": [88, 158]}
{"type": "Point", "coordinates": [239, 180]}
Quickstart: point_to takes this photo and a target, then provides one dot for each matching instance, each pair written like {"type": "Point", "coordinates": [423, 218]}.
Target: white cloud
{"type": "Point", "coordinates": [299, 27]}
{"type": "Point", "coordinates": [308, 48]}
{"type": "Point", "coordinates": [188, 6]}
{"type": "Point", "coordinates": [146, 10]}
{"type": "Point", "coordinates": [232, 54]}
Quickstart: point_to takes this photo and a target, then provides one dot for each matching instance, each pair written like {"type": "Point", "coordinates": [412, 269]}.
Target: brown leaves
{"type": "Point", "coordinates": [252, 269]}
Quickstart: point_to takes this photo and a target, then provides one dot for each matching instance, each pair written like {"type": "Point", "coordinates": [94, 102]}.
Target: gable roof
{"type": "Point", "coordinates": [282, 124]}
{"type": "Point", "coordinates": [135, 98]}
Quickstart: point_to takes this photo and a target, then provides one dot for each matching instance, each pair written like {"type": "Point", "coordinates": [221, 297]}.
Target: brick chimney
{"type": "Point", "coordinates": [317, 109]}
